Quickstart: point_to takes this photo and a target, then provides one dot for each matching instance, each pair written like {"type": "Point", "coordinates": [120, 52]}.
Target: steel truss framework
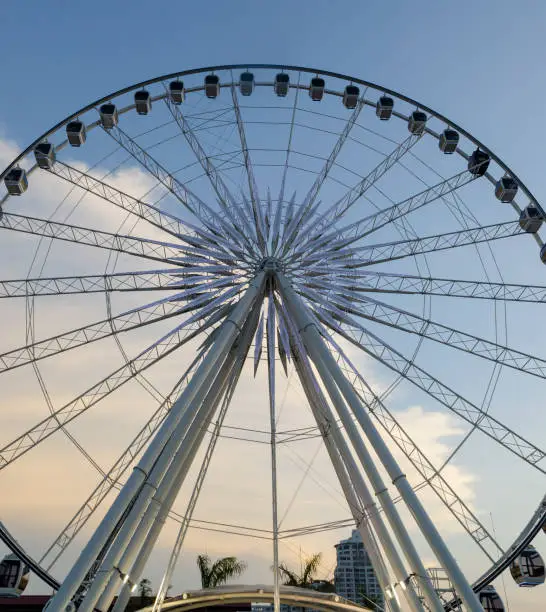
{"type": "Point", "coordinates": [240, 270]}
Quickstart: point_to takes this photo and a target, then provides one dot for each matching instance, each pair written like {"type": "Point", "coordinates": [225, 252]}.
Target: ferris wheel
{"type": "Point", "coordinates": [182, 235]}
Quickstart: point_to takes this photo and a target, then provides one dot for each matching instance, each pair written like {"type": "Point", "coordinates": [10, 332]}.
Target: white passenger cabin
{"type": "Point", "coordinates": [176, 92]}
{"type": "Point", "coordinates": [212, 86]}
{"type": "Point", "coordinates": [14, 575]}
{"type": "Point", "coordinates": [76, 133]}
{"type": "Point", "coordinates": [530, 219]}
{"type": "Point", "coordinates": [528, 568]}
{"type": "Point", "coordinates": [281, 84]}
{"type": "Point", "coordinates": [44, 152]}
{"type": "Point", "coordinates": [384, 107]}
{"type": "Point", "coordinates": [416, 122]}
{"type": "Point", "coordinates": [108, 115]}
{"type": "Point", "coordinates": [448, 141]}
{"type": "Point", "coordinates": [246, 83]}
{"type": "Point", "coordinates": [16, 181]}
{"type": "Point", "coordinates": [490, 600]}
{"type": "Point", "coordinates": [143, 102]}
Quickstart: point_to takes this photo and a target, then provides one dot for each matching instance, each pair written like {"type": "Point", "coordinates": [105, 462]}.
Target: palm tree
{"type": "Point", "coordinates": [144, 589]}
{"type": "Point", "coordinates": [306, 579]}
{"type": "Point", "coordinates": [307, 576]}
{"type": "Point", "coordinates": [219, 572]}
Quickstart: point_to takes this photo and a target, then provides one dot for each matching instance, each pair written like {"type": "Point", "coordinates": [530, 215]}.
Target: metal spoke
{"type": "Point", "coordinates": [384, 282]}
{"type": "Point", "coordinates": [337, 210]}
{"type": "Point", "coordinates": [67, 413]}
{"type": "Point", "coordinates": [183, 194]}
{"type": "Point", "coordinates": [289, 144]}
{"type": "Point", "coordinates": [225, 197]}
{"type": "Point", "coordinates": [307, 207]}
{"type": "Point", "coordinates": [154, 215]}
{"type": "Point", "coordinates": [252, 186]}
{"type": "Point", "coordinates": [54, 345]}
{"type": "Point", "coordinates": [147, 280]}
{"type": "Point", "coordinates": [130, 245]}
{"type": "Point", "coordinates": [468, 411]}
{"type": "Point", "coordinates": [313, 192]}
{"type": "Point", "coordinates": [135, 318]}
{"type": "Point", "coordinates": [185, 523]}
{"type": "Point", "coordinates": [431, 475]}
{"type": "Point", "coordinates": [371, 223]}
{"type": "Point", "coordinates": [378, 253]}
{"type": "Point", "coordinates": [449, 336]}
{"type": "Point", "coordinates": [113, 476]}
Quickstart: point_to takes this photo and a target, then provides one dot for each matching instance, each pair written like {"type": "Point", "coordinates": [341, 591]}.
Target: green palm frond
{"type": "Point", "coordinates": [203, 563]}
{"type": "Point", "coordinates": [310, 569]}
{"type": "Point", "coordinates": [222, 570]}
{"type": "Point", "coordinates": [289, 577]}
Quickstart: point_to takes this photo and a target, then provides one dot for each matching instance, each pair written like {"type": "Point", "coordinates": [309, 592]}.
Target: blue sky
{"type": "Point", "coordinates": [481, 64]}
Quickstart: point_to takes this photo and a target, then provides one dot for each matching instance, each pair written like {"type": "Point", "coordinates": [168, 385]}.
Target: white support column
{"type": "Point", "coordinates": [218, 351]}
{"type": "Point", "coordinates": [169, 465]}
{"type": "Point", "coordinates": [359, 515]}
{"type": "Point", "coordinates": [212, 401]}
{"type": "Point", "coordinates": [167, 490]}
{"type": "Point", "coordinates": [339, 452]}
{"type": "Point", "coordinates": [273, 426]}
{"type": "Point", "coordinates": [332, 375]}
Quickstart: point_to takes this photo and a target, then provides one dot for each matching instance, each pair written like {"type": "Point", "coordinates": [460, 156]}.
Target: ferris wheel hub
{"type": "Point", "coordinates": [271, 265]}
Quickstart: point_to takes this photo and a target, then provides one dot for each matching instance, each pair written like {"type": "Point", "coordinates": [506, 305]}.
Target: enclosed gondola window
{"type": "Point", "coordinates": [108, 115]}
{"type": "Point", "coordinates": [478, 162]}
{"type": "Point", "coordinates": [246, 83]}
{"type": "Point", "coordinates": [212, 86]}
{"type": "Point", "coordinates": [350, 96]}
{"type": "Point", "coordinates": [9, 574]}
{"type": "Point", "coordinates": [75, 132]}
{"type": "Point", "coordinates": [143, 102]}
{"type": "Point", "coordinates": [44, 152]}
{"type": "Point", "coordinates": [490, 600]}
{"type": "Point", "coordinates": [281, 84]}
{"type": "Point", "coordinates": [316, 89]}
{"type": "Point", "coordinates": [16, 181]}
{"type": "Point", "coordinates": [448, 141]}
{"type": "Point", "coordinates": [176, 91]}
{"type": "Point", "coordinates": [506, 189]}
{"type": "Point", "coordinates": [417, 121]}
{"type": "Point", "coordinates": [384, 107]}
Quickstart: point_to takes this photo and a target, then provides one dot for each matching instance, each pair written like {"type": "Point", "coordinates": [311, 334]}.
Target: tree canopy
{"type": "Point", "coordinates": [219, 572]}
{"type": "Point", "coordinates": [307, 576]}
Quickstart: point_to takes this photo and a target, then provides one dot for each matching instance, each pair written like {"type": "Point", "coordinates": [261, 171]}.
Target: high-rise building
{"type": "Point", "coordinates": [354, 577]}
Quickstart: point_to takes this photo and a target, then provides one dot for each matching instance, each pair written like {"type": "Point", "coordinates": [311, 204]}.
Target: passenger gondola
{"type": "Point", "coordinates": [478, 163]}
{"type": "Point", "coordinates": [246, 83]}
{"type": "Point", "coordinates": [143, 102]}
{"type": "Point", "coordinates": [76, 133]}
{"type": "Point", "coordinates": [350, 96]}
{"type": "Point", "coordinates": [384, 107]}
{"type": "Point", "coordinates": [506, 189]}
{"type": "Point", "coordinates": [176, 92]}
{"type": "Point", "coordinates": [530, 219]}
{"type": "Point", "coordinates": [490, 600]}
{"type": "Point", "coordinates": [316, 89]}
{"type": "Point", "coordinates": [212, 86]}
{"type": "Point", "coordinates": [448, 141]}
{"type": "Point", "coordinates": [416, 122]}
{"type": "Point", "coordinates": [281, 84]}
{"type": "Point", "coordinates": [14, 575]}
{"type": "Point", "coordinates": [16, 181]}
{"type": "Point", "coordinates": [44, 152]}
{"type": "Point", "coordinates": [528, 568]}
{"type": "Point", "coordinates": [108, 115]}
